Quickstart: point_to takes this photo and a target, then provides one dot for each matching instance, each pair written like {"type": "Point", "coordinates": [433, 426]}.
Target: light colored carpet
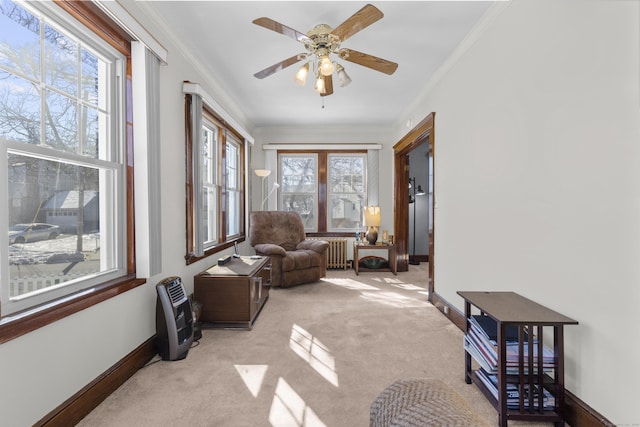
{"type": "Point", "coordinates": [318, 355]}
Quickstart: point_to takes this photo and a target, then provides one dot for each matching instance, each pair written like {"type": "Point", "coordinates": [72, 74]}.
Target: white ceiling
{"type": "Point", "coordinates": [418, 35]}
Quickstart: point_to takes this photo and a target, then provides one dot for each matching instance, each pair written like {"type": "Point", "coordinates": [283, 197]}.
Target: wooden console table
{"type": "Point", "coordinates": [233, 294]}
{"type": "Point", "coordinates": [392, 259]}
{"type": "Point", "coordinates": [518, 325]}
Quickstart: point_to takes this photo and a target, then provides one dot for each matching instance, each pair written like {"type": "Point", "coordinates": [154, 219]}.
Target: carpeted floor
{"type": "Point", "coordinates": [318, 355]}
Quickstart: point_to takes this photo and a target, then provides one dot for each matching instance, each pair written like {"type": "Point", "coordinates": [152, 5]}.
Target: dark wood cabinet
{"type": "Point", "coordinates": [525, 386]}
{"type": "Point", "coordinates": [233, 294]}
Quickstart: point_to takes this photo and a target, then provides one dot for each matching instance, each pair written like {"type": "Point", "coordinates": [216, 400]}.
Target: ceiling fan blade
{"type": "Point", "coordinates": [358, 21]}
{"type": "Point", "coordinates": [328, 85]}
{"type": "Point", "coordinates": [272, 25]}
{"type": "Point", "coordinates": [279, 66]}
{"type": "Point", "coordinates": [370, 61]}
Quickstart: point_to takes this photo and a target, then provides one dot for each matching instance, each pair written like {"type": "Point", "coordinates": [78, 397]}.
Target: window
{"type": "Point", "coordinates": [210, 190]}
{"type": "Point", "coordinates": [346, 191]}
{"type": "Point", "coordinates": [327, 189]}
{"type": "Point", "coordinates": [234, 186]}
{"type": "Point", "coordinates": [215, 214]}
{"type": "Point", "coordinates": [62, 120]}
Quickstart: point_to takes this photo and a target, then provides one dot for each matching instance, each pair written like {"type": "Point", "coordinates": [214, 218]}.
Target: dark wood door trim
{"type": "Point", "coordinates": [423, 132]}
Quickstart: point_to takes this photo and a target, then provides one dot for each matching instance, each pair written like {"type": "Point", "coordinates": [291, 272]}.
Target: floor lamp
{"type": "Point", "coordinates": [262, 173]}
{"type": "Point", "coordinates": [412, 200]}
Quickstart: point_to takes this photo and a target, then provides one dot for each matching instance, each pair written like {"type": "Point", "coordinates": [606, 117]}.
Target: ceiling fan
{"type": "Point", "coordinates": [322, 41]}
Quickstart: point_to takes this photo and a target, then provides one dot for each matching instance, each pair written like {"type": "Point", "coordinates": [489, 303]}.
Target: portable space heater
{"type": "Point", "coordinates": [174, 320]}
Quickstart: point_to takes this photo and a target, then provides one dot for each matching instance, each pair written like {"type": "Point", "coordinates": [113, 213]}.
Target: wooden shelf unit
{"type": "Point", "coordinates": [531, 319]}
{"type": "Point", "coordinates": [233, 294]}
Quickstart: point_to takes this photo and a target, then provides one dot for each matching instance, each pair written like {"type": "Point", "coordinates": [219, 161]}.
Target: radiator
{"type": "Point", "coordinates": [337, 252]}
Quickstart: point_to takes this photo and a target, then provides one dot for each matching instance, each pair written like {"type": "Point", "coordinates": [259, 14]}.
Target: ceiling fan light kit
{"type": "Point", "coordinates": [322, 41]}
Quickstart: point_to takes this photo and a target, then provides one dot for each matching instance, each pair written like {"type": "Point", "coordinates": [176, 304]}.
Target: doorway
{"type": "Point", "coordinates": [420, 218]}
{"type": "Point", "coordinates": [422, 135]}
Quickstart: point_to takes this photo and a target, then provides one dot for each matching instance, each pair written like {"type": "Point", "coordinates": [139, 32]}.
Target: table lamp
{"type": "Point", "coordinates": [372, 221]}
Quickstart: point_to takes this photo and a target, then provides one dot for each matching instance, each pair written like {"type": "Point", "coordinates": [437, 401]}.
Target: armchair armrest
{"type": "Point", "coordinates": [318, 246]}
{"type": "Point", "coordinates": [269, 249]}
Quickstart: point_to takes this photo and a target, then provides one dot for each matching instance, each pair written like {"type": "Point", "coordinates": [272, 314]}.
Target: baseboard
{"type": "Point", "coordinates": [83, 402]}
{"type": "Point", "coordinates": [578, 413]}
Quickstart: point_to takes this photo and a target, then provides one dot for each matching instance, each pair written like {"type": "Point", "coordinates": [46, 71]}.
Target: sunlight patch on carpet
{"type": "Point", "coordinates": [390, 280]}
{"type": "Point", "coordinates": [350, 284]}
{"type": "Point", "coordinates": [407, 287]}
{"type": "Point", "coordinates": [316, 354]}
{"type": "Point", "coordinates": [253, 376]}
{"type": "Point", "coordinates": [288, 409]}
{"type": "Point", "coordinates": [395, 300]}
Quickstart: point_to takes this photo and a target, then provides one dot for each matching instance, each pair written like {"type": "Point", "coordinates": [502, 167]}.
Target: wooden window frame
{"type": "Point", "coordinates": [223, 129]}
{"type": "Point", "coordinates": [323, 176]}
{"type": "Point", "coordinates": [21, 323]}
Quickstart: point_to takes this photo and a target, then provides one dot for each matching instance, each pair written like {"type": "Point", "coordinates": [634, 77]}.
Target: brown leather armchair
{"type": "Point", "coordinates": [281, 236]}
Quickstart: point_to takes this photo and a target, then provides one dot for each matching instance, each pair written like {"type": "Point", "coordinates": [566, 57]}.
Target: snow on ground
{"type": "Point", "coordinates": [62, 249]}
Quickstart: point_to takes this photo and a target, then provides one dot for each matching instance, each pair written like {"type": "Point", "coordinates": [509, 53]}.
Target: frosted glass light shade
{"type": "Point", "coordinates": [326, 66]}
{"type": "Point", "coordinates": [262, 172]}
{"type": "Point", "coordinates": [301, 76]}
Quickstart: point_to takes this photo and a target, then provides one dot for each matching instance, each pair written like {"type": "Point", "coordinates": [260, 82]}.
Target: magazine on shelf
{"type": "Point", "coordinates": [486, 350]}
{"type": "Point", "coordinates": [471, 348]}
{"type": "Point", "coordinates": [513, 394]}
{"type": "Point", "coordinates": [489, 328]}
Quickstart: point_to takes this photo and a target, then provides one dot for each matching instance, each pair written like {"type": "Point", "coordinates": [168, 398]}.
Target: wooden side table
{"type": "Point", "coordinates": [391, 256]}
{"type": "Point", "coordinates": [233, 294]}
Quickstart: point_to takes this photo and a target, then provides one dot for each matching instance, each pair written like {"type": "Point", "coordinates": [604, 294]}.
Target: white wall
{"type": "Point", "coordinates": [538, 180]}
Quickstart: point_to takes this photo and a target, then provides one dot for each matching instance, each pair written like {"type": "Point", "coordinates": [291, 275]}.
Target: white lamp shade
{"type": "Point", "coordinates": [372, 216]}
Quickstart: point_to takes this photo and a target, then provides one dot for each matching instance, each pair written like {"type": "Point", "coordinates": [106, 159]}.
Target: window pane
{"type": "Point", "coordinates": [233, 217]}
{"type": "Point", "coordinates": [232, 165]}
{"type": "Point", "coordinates": [64, 244]}
{"type": "Point", "coordinates": [234, 197]}
{"type": "Point", "coordinates": [62, 122]}
{"type": "Point", "coordinates": [345, 211]}
{"type": "Point", "coordinates": [90, 81]}
{"type": "Point", "coordinates": [299, 180]}
{"type": "Point", "coordinates": [19, 109]}
{"type": "Point", "coordinates": [209, 155]}
{"type": "Point", "coordinates": [90, 127]}
{"type": "Point", "coordinates": [347, 194]}
{"type": "Point", "coordinates": [210, 206]}
{"type": "Point", "coordinates": [61, 67]}
{"type": "Point", "coordinates": [304, 204]}
{"type": "Point", "coordinates": [19, 40]}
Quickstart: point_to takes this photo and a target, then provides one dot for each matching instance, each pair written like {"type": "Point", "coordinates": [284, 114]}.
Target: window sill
{"type": "Point", "coordinates": [18, 324]}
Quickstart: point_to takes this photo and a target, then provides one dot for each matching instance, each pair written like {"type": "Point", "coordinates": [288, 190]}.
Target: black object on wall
{"type": "Point", "coordinates": [174, 320]}
{"type": "Point", "coordinates": [412, 200]}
